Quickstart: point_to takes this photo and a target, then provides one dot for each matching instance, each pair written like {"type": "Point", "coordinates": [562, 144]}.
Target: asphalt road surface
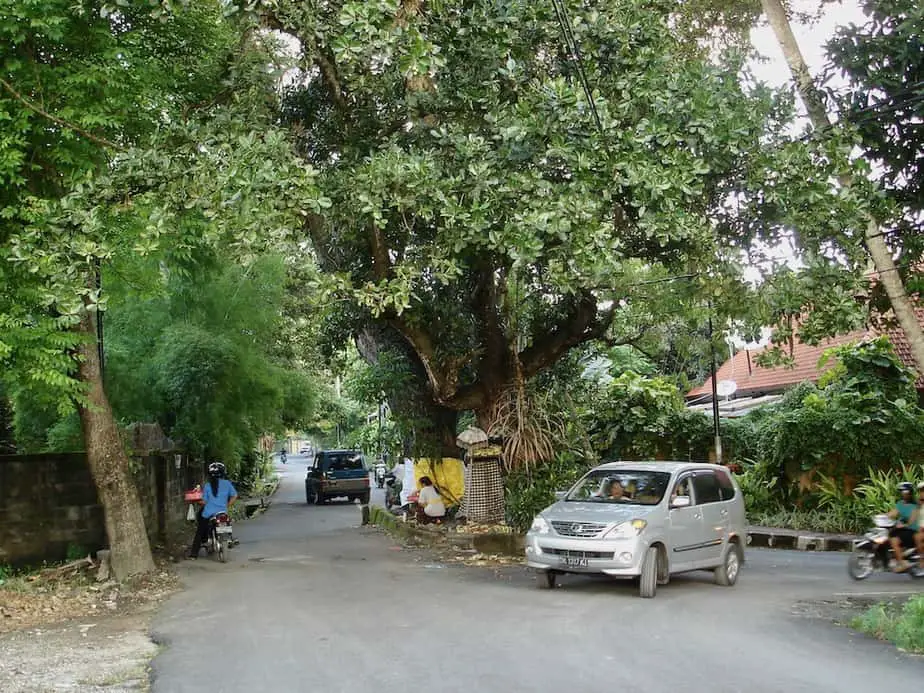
{"type": "Point", "coordinates": [312, 601]}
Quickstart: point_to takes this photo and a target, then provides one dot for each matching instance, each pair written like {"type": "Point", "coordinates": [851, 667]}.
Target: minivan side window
{"type": "Point", "coordinates": [706, 488]}
{"type": "Point", "coordinates": [682, 487]}
{"type": "Point", "coordinates": [726, 487]}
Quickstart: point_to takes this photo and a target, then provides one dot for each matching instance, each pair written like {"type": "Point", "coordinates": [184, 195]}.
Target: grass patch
{"type": "Point", "coordinates": [810, 520]}
{"type": "Point", "coordinates": [902, 625]}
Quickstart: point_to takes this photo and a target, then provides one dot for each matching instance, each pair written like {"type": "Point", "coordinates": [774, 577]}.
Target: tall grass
{"type": "Point", "coordinates": [904, 627]}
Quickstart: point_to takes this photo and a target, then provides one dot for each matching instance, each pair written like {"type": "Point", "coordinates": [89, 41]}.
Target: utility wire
{"type": "Point", "coordinates": [868, 114]}
{"type": "Point", "coordinates": [571, 44]}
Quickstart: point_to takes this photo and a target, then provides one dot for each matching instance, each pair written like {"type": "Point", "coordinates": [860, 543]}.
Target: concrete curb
{"type": "Point", "coordinates": [794, 540]}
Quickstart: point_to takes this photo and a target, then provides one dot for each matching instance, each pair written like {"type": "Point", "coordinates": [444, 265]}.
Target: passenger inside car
{"type": "Point", "coordinates": [681, 489]}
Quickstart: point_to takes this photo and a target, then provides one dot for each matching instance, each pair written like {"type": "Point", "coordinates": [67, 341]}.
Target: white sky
{"type": "Point", "coordinates": [811, 40]}
{"type": "Point", "coordinates": [774, 71]}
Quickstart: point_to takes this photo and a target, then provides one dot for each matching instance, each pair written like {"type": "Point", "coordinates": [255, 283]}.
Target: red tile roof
{"type": "Point", "coordinates": [903, 347]}
{"type": "Point", "coordinates": [755, 380]}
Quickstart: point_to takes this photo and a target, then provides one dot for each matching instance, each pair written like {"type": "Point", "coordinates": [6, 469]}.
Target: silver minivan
{"type": "Point", "coordinates": [645, 520]}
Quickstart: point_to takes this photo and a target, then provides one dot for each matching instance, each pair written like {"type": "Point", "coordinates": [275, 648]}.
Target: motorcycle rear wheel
{"type": "Point", "coordinates": [860, 565]}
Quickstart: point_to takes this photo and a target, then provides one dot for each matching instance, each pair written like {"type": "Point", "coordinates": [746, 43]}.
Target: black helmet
{"type": "Point", "coordinates": [217, 469]}
{"type": "Point", "coordinates": [906, 487]}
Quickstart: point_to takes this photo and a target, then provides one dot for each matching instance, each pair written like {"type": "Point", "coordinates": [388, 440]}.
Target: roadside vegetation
{"type": "Point", "coordinates": [901, 624]}
{"type": "Point", "coordinates": [447, 209]}
{"type": "Point", "coordinates": [826, 457]}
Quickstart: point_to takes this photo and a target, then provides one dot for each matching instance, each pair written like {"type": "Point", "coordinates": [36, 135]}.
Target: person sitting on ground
{"type": "Point", "coordinates": [902, 536]}
{"type": "Point", "coordinates": [430, 506]}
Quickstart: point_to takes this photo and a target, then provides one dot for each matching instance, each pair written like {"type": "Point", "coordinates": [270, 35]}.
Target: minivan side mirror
{"type": "Point", "coordinates": [681, 502]}
{"type": "Point", "coordinates": [559, 495]}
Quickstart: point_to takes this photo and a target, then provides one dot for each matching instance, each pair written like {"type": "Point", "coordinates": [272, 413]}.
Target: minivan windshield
{"type": "Point", "coordinates": [624, 486]}
{"type": "Point", "coordinates": [343, 461]}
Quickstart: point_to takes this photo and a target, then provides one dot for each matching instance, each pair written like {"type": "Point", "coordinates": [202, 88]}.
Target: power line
{"type": "Point", "coordinates": [571, 44]}
{"type": "Point", "coordinates": [869, 113]}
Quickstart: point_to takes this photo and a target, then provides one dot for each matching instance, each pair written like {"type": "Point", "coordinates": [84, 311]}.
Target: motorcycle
{"type": "Point", "coordinates": [380, 474]}
{"type": "Point", "coordinates": [282, 456]}
{"type": "Point", "coordinates": [220, 536]}
{"type": "Point", "coordinates": [873, 552]}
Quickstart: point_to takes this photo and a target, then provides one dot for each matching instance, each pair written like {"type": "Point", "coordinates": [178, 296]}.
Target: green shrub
{"type": "Point", "coordinates": [529, 491]}
{"type": "Point", "coordinates": [904, 627]}
{"type": "Point", "coordinates": [876, 495]}
{"type": "Point", "coordinates": [835, 521]}
{"type": "Point", "coordinates": [760, 485]}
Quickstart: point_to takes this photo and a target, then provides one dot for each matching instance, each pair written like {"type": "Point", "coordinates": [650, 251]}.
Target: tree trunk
{"type": "Point", "coordinates": [128, 538]}
{"type": "Point", "coordinates": [879, 251]}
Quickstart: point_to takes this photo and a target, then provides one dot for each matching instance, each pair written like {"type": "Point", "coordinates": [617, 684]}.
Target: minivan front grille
{"type": "Point", "coordinates": [578, 529]}
{"type": "Point", "coordinates": [568, 553]}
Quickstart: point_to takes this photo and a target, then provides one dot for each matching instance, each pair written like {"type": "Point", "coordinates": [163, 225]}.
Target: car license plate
{"type": "Point", "coordinates": [575, 561]}
{"type": "Point", "coordinates": [223, 529]}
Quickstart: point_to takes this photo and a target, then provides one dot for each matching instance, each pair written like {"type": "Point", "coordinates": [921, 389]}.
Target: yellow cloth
{"type": "Point", "coordinates": [448, 475]}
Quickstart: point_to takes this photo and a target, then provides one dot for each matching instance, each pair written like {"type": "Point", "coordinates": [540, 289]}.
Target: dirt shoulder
{"type": "Point", "coordinates": [70, 633]}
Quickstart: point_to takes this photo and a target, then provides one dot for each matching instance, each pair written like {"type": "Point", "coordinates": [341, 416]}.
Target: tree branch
{"type": "Point", "coordinates": [381, 263]}
{"type": "Point", "coordinates": [63, 123]}
{"type": "Point", "coordinates": [329, 72]}
{"type": "Point", "coordinates": [422, 343]}
{"type": "Point", "coordinates": [583, 326]}
{"type": "Point", "coordinates": [323, 61]}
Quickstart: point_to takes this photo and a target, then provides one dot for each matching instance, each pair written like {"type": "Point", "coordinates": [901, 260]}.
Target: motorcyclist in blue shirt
{"type": "Point", "coordinates": [218, 496]}
{"type": "Point", "coordinates": [903, 534]}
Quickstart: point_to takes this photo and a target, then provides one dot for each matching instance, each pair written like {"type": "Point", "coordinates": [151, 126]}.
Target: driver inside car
{"type": "Point", "coordinates": [615, 492]}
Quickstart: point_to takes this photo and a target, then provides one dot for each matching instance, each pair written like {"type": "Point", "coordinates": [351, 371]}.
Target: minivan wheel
{"type": "Point", "coordinates": [727, 573]}
{"type": "Point", "coordinates": [648, 580]}
{"type": "Point", "coordinates": [549, 579]}
{"type": "Point", "coordinates": [664, 572]}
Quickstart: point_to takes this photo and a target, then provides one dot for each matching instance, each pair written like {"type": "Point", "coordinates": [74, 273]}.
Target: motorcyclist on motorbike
{"type": "Point", "coordinates": [919, 536]}
{"type": "Point", "coordinates": [218, 496]}
{"type": "Point", "coordinates": [903, 535]}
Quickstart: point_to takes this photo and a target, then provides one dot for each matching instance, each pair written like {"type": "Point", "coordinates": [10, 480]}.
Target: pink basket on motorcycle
{"type": "Point", "coordinates": [193, 496]}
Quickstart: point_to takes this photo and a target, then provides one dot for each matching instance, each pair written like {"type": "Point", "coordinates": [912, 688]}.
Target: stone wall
{"type": "Point", "coordinates": [49, 505]}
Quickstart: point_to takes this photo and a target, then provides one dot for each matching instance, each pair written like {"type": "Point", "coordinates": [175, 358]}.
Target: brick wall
{"type": "Point", "coordinates": [48, 503]}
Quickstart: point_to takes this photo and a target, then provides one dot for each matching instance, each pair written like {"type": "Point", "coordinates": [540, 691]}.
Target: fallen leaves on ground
{"type": "Point", "coordinates": [479, 528]}
{"type": "Point", "coordinates": [34, 600]}
{"type": "Point", "coordinates": [486, 559]}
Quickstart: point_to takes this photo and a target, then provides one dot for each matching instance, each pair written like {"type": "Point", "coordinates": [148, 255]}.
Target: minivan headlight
{"type": "Point", "coordinates": [540, 525]}
{"type": "Point", "coordinates": [626, 530]}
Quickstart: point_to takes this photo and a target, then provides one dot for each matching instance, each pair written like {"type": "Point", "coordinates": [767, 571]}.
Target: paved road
{"type": "Point", "coordinates": [311, 601]}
